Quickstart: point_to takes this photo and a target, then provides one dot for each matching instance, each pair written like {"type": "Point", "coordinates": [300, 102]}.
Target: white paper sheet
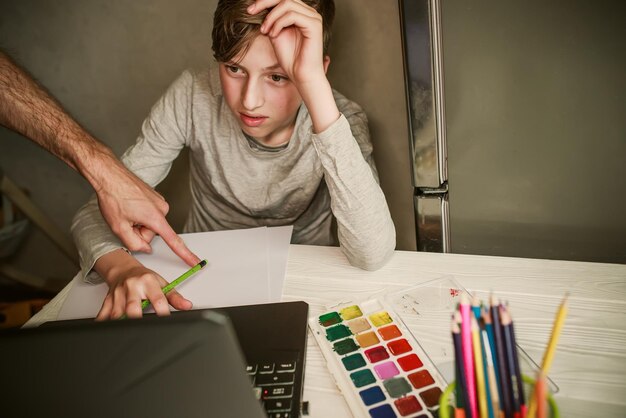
{"type": "Point", "coordinates": [279, 239]}
{"type": "Point", "coordinates": [244, 267]}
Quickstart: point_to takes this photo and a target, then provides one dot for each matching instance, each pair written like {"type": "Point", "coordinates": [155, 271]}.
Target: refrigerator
{"type": "Point", "coordinates": [517, 127]}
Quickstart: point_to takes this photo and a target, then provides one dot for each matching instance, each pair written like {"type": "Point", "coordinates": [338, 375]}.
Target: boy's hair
{"type": "Point", "coordinates": [234, 28]}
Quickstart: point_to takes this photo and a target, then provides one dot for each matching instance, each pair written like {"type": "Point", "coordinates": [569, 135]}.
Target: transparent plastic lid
{"type": "Point", "coordinates": [426, 310]}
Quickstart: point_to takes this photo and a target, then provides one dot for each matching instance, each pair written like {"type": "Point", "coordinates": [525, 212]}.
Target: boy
{"type": "Point", "coordinates": [271, 144]}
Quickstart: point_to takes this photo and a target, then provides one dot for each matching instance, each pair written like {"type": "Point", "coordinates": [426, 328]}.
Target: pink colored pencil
{"type": "Point", "coordinates": [468, 354]}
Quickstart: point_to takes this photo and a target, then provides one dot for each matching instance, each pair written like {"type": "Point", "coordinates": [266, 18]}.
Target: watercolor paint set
{"type": "Point", "coordinates": [379, 366]}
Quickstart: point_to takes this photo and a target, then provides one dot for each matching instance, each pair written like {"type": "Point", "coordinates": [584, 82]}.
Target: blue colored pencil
{"type": "Point", "coordinates": [492, 345]}
{"type": "Point", "coordinates": [476, 306]}
{"type": "Point", "coordinates": [510, 357]}
{"type": "Point", "coordinates": [493, 383]}
{"type": "Point", "coordinates": [487, 383]}
{"type": "Point", "coordinates": [500, 349]}
{"type": "Point", "coordinates": [517, 372]}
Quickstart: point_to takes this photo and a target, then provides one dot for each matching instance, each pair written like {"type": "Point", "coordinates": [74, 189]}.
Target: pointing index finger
{"type": "Point", "coordinates": [175, 242]}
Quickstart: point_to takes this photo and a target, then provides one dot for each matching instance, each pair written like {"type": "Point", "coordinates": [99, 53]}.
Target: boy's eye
{"type": "Point", "coordinates": [232, 68]}
{"type": "Point", "coordinates": [277, 78]}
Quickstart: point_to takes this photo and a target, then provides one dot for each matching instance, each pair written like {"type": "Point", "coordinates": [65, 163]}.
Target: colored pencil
{"type": "Point", "coordinates": [509, 345]}
{"type": "Point", "coordinates": [468, 362]}
{"type": "Point", "coordinates": [540, 394]}
{"type": "Point", "coordinates": [480, 376]}
{"type": "Point", "coordinates": [458, 354]}
{"type": "Point", "coordinates": [459, 408]}
{"type": "Point", "coordinates": [494, 401]}
{"type": "Point", "coordinates": [548, 356]}
{"type": "Point", "coordinates": [517, 369]}
{"type": "Point", "coordinates": [492, 344]}
{"type": "Point", "coordinates": [169, 287]}
{"type": "Point", "coordinates": [476, 306]}
{"type": "Point", "coordinates": [500, 350]}
{"type": "Point", "coordinates": [459, 387]}
{"type": "Point", "coordinates": [459, 392]}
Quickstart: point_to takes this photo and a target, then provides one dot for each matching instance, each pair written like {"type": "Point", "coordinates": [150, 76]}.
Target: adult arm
{"type": "Point", "coordinates": [132, 208]}
{"type": "Point", "coordinates": [164, 133]}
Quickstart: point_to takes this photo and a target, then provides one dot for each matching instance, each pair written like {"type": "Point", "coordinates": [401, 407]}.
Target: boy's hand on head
{"type": "Point", "coordinates": [295, 30]}
{"type": "Point", "coordinates": [136, 212]}
{"type": "Point", "coordinates": [297, 35]}
{"type": "Point", "coordinates": [129, 284]}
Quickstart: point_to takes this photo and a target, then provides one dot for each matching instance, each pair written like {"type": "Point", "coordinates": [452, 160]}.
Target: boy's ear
{"type": "Point", "coordinates": [326, 63]}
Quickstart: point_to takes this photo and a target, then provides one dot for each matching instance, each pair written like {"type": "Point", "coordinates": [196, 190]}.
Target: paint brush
{"type": "Point", "coordinates": [145, 303]}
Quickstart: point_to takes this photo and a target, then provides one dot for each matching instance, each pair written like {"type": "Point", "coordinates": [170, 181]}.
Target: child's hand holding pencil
{"type": "Point", "coordinates": [167, 289]}
{"type": "Point", "coordinates": [132, 287]}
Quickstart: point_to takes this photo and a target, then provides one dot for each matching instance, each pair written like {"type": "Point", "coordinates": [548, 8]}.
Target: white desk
{"type": "Point", "coordinates": [590, 364]}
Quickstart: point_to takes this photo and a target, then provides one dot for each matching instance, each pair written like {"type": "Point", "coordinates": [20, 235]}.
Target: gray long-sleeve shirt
{"type": "Point", "coordinates": [238, 183]}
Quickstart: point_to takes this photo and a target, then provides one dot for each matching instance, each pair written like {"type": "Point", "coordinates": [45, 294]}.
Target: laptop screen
{"type": "Point", "coordinates": [182, 365]}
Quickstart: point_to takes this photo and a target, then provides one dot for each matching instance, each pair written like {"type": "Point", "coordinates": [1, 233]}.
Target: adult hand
{"type": "Point", "coordinates": [135, 212]}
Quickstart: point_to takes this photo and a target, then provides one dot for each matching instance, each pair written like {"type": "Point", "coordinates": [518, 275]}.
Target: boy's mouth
{"type": "Point", "coordinates": [252, 121]}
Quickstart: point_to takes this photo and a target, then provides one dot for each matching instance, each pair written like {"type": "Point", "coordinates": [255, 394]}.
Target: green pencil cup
{"type": "Point", "coordinates": [446, 409]}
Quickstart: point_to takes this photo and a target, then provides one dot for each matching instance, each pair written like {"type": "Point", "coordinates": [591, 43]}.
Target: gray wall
{"type": "Point", "coordinates": [367, 66]}
{"type": "Point", "coordinates": [107, 62]}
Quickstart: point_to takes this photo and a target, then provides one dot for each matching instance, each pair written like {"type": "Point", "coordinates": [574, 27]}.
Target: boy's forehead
{"type": "Point", "coordinates": [259, 55]}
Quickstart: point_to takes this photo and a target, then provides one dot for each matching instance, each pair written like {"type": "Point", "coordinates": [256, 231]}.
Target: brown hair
{"type": "Point", "coordinates": [234, 28]}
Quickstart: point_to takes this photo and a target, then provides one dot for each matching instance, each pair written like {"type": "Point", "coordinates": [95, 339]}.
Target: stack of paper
{"type": "Point", "coordinates": [245, 266]}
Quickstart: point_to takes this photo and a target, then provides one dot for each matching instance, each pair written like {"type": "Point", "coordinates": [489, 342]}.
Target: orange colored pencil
{"type": "Point", "coordinates": [540, 396]}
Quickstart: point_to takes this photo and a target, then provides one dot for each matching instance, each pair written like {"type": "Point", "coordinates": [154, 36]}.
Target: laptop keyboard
{"type": "Point", "coordinates": [274, 386]}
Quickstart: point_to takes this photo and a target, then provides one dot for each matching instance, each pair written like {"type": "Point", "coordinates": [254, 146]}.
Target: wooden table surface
{"type": "Point", "coordinates": [589, 367]}
{"type": "Point", "coordinates": [590, 364]}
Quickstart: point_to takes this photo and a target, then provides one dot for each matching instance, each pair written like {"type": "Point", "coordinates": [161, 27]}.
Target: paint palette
{"type": "Point", "coordinates": [378, 365]}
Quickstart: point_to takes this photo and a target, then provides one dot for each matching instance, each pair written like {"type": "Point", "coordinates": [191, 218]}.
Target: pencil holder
{"type": "Point", "coordinates": [446, 408]}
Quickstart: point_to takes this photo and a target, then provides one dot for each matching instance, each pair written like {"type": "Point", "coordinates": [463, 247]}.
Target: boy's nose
{"type": "Point", "coordinates": [252, 95]}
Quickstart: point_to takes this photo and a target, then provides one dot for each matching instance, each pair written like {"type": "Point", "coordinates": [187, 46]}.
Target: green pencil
{"type": "Point", "coordinates": [174, 283]}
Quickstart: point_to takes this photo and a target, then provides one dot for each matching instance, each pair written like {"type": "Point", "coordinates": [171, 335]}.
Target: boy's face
{"type": "Point", "coordinates": [259, 94]}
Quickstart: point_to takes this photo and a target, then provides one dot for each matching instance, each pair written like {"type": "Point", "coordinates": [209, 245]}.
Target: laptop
{"type": "Point", "coordinates": [244, 361]}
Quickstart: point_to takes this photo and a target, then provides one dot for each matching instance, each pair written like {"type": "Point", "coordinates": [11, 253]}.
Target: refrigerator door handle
{"type": "Point", "coordinates": [423, 64]}
{"type": "Point", "coordinates": [432, 220]}
{"type": "Point", "coordinates": [424, 91]}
